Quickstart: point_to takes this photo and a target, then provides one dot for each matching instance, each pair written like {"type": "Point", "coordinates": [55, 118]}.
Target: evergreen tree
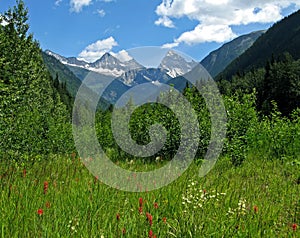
{"type": "Point", "coordinates": [31, 121]}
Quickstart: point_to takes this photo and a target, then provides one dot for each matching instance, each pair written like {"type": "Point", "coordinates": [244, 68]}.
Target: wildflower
{"type": "Point", "coordinates": [48, 205]}
{"type": "Point", "coordinates": [118, 216]}
{"type": "Point", "coordinates": [294, 227]}
{"type": "Point", "coordinates": [164, 219]}
{"type": "Point", "coordinates": [124, 231]}
{"type": "Point", "coordinates": [46, 185]}
{"type": "Point", "coordinates": [141, 202]}
{"type": "Point", "coordinates": [156, 205]}
{"type": "Point", "coordinates": [24, 173]}
{"type": "Point", "coordinates": [149, 218]}
{"type": "Point", "coordinates": [40, 211]}
{"type": "Point", "coordinates": [204, 191]}
{"type": "Point", "coordinates": [140, 210]}
{"type": "Point", "coordinates": [255, 208]}
{"type": "Point", "coordinates": [150, 234]}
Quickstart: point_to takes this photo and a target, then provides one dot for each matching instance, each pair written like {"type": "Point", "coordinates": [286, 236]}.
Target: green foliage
{"type": "Point", "coordinates": [242, 117]}
{"type": "Point", "coordinates": [279, 81]}
{"type": "Point", "coordinates": [32, 118]}
{"type": "Point", "coordinates": [276, 137]}
{"type": "Point", "coordinates": [282, 85]}
{"type": "Point", "coordinates": [150, 114]}
{"type": "Point", "coordinates": [62, 73]}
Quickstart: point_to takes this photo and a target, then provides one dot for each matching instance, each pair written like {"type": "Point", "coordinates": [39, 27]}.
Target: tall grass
{"type": "Point", "coordinates": [258, 199]}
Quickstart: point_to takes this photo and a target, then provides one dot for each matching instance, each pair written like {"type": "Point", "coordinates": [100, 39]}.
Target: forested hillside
{"type": "Point", "coordinates": [282, 37]}
{"type": "Point", "coordinates": [271, 67]}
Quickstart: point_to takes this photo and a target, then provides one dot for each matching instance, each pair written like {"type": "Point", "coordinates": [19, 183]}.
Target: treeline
{"type": "Point", "coordinates": [278, 81]}
{"type": "Point", "coordinates": [249, 132]}
{"type": "Point", "coordinates": [33, 119]}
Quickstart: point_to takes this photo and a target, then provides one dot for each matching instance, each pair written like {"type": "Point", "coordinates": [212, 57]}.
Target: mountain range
{"type": "Point", "coordinates": [124, 75]}
{"type": "Point", "coordinates": [127, 74]}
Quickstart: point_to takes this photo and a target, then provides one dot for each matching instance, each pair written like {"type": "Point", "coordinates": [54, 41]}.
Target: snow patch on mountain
{"type": "Point", "coordinates": [176, 65]}
{"type": "Point", "coordinates": [107, 64]}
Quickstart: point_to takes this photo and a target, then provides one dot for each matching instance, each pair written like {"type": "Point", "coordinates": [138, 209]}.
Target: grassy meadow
{"type": "Point", "coordinates": [60, 198]}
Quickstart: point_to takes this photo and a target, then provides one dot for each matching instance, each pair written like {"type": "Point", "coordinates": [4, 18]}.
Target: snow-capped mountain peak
{"type": "Point", "coordinates": [176, 65]}
{"type": "Point", "coordinates": [107, 64]}
{"type": "Point", "coordinates": [172, 64]}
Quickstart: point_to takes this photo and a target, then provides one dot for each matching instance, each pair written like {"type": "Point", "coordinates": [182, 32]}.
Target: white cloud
{"type": "Point", "coordinates": [101, 12]}
{"type": "Point", "coordinates": [77, 5]}
{"type": "Point", "coordinates": [108, 0]}
{"type": "Point", "coordinates": [122, 55]}
{"type": "Point", "coordinates": [58, 2]}
{"type": "Point", "coordinates": [164, 21]}
{"type": "Point", "coordinates": [170, 45]}
{"type": "Point", "coordinates": [209, 33]}
{"type": "Point", "coordinates": [216, 17]}
{"type": "Point", "coordinates": [94, 51]}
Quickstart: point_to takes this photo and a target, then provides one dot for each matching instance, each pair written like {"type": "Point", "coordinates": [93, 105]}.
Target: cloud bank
{"type": "Point", "coordinates": [216, 17]}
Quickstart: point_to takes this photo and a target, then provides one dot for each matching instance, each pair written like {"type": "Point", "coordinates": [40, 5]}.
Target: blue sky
{"type": "Point", "coordinates": [89, 28]}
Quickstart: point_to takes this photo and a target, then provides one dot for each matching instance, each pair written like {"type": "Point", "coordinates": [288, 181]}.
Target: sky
{"type": "Point", "coordinates": [88, 28]}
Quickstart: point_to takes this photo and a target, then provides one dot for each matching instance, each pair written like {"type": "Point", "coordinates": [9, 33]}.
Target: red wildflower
{"type": "Point", "coordinates": [40, 211]}
{"type": "Point", "coordinates": [124, 231]}
{"type": "Point", "coordinates": [149, 218]}
{"type": "Point", "coordinates": [164, 219]}
{"type": "Point", "coordinates": [150, 234]}
{"type": "Point", "coordinates": [48, 205]}
{"type": "Point", "coordinates": [156, 205]}
{"type": "Point", "coordinates": [46, 185]}
{"type": "Point", "coordinates": [140, 210]}
{"type": "Point", "coordinates": [204, 191]}
{"type": "Point", "coordinates": [141, 202]}
{"type": "Point", "coordinates": [118, 216]}
{"type": "Point", "coordinates": [255, 208]}
{"type": "Point", "coordinates": [294, 227]}
{"type": "Point", "coordinates": [24, 173]}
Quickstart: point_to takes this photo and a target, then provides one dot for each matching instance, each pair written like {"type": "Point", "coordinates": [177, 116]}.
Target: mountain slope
{"type": "Point", "coordinates": [67, 77]}
{"type": "Point", "coordinates": [55, 67]}
{"type": "Point", "coordinates": [282, 37]}
{"type": "Point", "coordinates": [219, 59]}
